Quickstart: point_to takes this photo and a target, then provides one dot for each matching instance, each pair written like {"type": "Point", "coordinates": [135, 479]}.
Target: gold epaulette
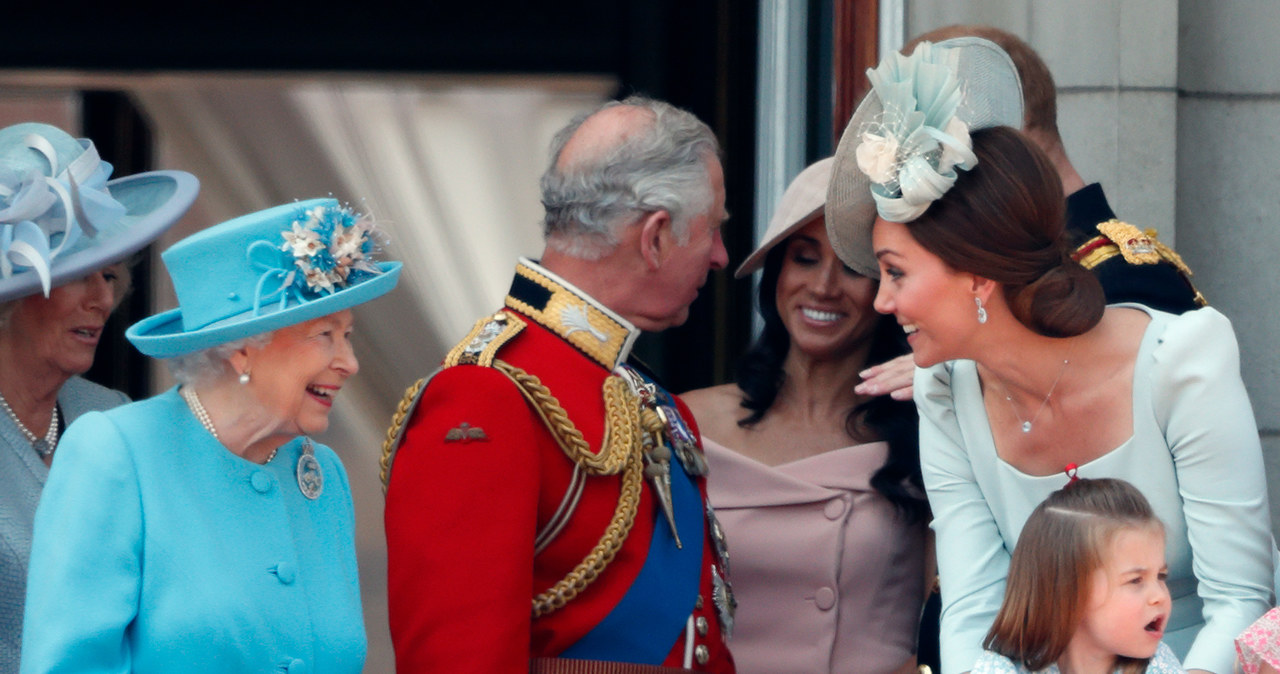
{"type": "Point", "coordinates": [1118, 238]}
{"type": "Point", "coordinates": [481, 345]}
{"type": "Point", "coordinates": [1137, 247]}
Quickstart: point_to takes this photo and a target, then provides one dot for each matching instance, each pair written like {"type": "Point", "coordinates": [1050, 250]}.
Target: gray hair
{"type": "Point", "coordinates": [663, 167]}
{"type": "Point", "coordinates": [206, 365]}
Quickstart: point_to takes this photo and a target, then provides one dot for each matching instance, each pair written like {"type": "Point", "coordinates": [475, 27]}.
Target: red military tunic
{"type": "Point", "coordinates": [478, 477]}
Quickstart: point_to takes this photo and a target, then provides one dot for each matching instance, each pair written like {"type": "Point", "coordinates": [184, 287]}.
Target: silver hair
{"type": "Point", "coordinates": [206, 365]}
{"type": "Point", "coordinates": [664, 167]}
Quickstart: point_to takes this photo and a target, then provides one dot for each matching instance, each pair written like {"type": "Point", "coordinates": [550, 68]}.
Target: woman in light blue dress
{"type": "Point", "coordinates": [1029, 377]}
{"type": "Point", "coordinates": [202, 529]}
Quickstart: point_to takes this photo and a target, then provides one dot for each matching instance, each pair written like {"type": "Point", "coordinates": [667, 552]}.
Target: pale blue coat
{"type": "Point", "coordinates": [22, 476]}
{"type": "Point", "coordinates": [157, 550]}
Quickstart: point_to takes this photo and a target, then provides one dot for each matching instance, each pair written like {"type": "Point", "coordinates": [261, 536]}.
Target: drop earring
{"type": "Point", "coordinates": [244, 377]}
{"type": "Point", "coordinates": [982, 311]}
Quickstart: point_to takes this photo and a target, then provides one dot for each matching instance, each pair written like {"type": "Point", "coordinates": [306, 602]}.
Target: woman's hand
{"type": "Point", "coordinates": [893, 378]}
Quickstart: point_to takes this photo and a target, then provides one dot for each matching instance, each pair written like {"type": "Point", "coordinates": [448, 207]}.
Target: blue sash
{"type": "Point", "coordinates": [651, 616]}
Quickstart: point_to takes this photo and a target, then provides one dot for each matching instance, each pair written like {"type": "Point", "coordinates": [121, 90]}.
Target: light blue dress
{"type": "Point", "coordinates": [22, 476]}
{"type": "Point", "coordinates": [1163, 662]}
{"type": "Point", "coordinates": [157, 550]}
{"type": "Point", "coordinates": [1194, 454]}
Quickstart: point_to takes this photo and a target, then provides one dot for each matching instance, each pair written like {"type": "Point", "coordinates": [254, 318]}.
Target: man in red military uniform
{"type": "Point", "coordinates": [546, 507]}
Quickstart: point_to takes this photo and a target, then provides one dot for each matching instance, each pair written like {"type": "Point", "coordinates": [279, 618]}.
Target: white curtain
{"type": "Point", "coordinates": [448, 168]}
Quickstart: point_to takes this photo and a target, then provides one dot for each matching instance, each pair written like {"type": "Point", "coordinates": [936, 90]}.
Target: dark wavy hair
{"type": "Point", "coordinates": [760, 377]}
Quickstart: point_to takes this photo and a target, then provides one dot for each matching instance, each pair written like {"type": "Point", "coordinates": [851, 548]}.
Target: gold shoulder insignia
{"type": "Point", "coordinates": [1136, 246]}
{"type": "Point", "coordinates": [481, 345]}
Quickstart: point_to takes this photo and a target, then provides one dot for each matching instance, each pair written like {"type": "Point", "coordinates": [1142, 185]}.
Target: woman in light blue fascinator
{"type": "Point", "coordinates": [1025, 378]}
{"type": "Point", "coordinates": [203, 527]}
{"type": "Point", "coordinates": [66, 232]}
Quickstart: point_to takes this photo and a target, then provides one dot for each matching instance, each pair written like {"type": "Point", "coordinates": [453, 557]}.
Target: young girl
{"type": "Point", "coordinates": [1086, 590]}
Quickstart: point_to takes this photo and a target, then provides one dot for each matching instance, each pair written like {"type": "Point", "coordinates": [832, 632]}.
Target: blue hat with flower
{"type": "Point", "coordinates": [60, 216]}
{"type": "Point", "coordinates": [265, 271]}
{"type": "Point", "coordinates": [909, 137]}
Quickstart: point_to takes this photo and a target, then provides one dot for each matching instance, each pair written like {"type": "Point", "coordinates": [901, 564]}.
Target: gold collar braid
{"type": "Point", "coordinates": [556, 305]}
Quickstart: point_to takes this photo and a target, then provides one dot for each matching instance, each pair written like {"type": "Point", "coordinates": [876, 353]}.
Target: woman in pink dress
{"type": "Point", "coordinates": [817, 486]}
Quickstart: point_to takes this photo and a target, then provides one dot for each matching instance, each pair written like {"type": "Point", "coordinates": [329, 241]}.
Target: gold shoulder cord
{"type": "Point", "coordinates": [393, 432]}
{"type": "Point", "coordinates": [621, 451]}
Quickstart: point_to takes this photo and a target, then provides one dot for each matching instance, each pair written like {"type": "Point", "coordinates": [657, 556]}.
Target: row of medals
{"type": "Point", "coordinates": [657, 469]}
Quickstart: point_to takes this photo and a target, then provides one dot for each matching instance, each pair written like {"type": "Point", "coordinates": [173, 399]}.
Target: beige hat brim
{"type": "Point", "coordinates": [755, 260]}
{"type": "Point", "coordinates": [801, 204]}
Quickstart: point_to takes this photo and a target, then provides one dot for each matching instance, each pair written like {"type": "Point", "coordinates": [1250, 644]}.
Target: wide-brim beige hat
{"type": "Point", "coordinates": [800, 205]}
{"type": "Point", "coordinates": [991, 96]}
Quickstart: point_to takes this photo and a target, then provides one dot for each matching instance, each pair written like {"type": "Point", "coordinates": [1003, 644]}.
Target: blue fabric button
{"type": "Point", "coordinates": [297, 666]}
{"type": "Point", "coordinates": [261, 481]}
{"type": "Point", "coordinates": [286, 573]}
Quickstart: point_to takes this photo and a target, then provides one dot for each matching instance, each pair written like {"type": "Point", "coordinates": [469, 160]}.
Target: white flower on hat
{"type": "Point", "coordinates": [920, 125]}
{"type": "Point", "coordinates": [878, 157]}
{"type": "Point", "coordinates": [319, 280]}
{"type": "Point", "coordinates": [348, 242]}
{"type": "Point", "coordinates": [301, 242]}
{"type": "Point", "coordinates": [329, 246]}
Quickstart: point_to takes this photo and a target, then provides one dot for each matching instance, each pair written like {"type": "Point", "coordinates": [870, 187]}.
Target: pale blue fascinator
{"type": "Point", "coordinates": [909, 137]}
{"type": "Point", "coordinates": [61, 218]}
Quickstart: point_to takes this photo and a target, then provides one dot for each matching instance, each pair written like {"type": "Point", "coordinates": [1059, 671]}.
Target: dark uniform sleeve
{"type": "Point", "coordinates": [461, 516]}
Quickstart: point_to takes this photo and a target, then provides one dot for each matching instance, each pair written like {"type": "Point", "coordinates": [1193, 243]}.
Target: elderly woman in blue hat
{"type": "Point", "coordinates": [65, 233]}
{"type": "Point", "coordinates": [203, 527]}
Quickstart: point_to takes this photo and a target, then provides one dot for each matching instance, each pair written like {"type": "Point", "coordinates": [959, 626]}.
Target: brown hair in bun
{"type": "Point", "coordinates": [1005, 220]}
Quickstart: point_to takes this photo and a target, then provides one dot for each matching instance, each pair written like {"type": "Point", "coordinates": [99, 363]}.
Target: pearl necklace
{"type": "Point", "coordinates": [43, 446]}
{"type": "Point", "coordinates": [193, 401]}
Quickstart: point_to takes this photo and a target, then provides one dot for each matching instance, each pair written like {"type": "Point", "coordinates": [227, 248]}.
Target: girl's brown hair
{"type": "Point", "coordinates": [1049, 580]}
{"type": "Point", "coordinates": [1005, 220]}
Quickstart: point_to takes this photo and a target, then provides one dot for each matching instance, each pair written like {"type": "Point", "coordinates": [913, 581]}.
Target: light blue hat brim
{"type": "Point", "coordinates": [154, 201]}
{"type": "Point", "coordinates": [162, 336]}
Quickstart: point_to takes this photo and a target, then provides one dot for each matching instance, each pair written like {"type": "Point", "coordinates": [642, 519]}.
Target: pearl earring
{"type": "Point", "coordinates": [982, 312]}
{"type": "Point", "coordinates": [244, 376]}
